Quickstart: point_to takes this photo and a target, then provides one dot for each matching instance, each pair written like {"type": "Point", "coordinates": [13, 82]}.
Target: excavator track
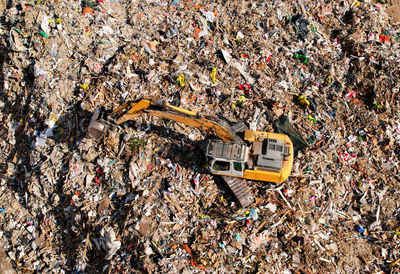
{"type": "Point", "coordinates": [239, 188]}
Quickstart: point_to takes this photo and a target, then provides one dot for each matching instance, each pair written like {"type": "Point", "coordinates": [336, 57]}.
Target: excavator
{"type": "Point", "coordinates": [238, 154]}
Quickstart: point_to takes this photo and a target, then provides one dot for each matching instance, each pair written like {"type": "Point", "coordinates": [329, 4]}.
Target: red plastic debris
{"type": "Point", "coordinates": [384, 38]}
{"type": "Point", "coordinates": [192, 261]}
{"type": "Point", "coordinates": [87, 10]}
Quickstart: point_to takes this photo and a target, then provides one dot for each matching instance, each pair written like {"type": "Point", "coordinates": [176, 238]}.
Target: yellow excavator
{"type": "Point", "coordinates": [260, 156]}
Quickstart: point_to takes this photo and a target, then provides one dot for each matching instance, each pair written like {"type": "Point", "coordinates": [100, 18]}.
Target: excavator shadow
{"type": "Point", "coordinates": [177, 147]}
{"type": "Point", "coordinates": [190, 155]}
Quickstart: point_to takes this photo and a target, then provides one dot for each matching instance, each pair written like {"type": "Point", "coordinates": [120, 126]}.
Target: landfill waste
{"type": "Point", "coordinates": [139, 197]}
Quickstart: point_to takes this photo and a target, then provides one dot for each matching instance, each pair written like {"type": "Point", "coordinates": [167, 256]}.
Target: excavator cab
{"type": "Point", "coordinates": [226, 159]}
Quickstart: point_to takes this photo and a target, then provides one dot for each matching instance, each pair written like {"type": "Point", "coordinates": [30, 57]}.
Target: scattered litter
{"type": "Point", "coordinates": [138, 196]}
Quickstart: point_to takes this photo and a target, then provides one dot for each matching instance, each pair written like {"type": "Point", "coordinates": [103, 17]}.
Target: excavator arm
{"type": "Point", "coordinates": [164, 110]}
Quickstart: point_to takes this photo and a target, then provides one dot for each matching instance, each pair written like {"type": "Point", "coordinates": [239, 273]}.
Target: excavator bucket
{"type": "Point", "coordinates": [240, 190]}
{"type": "Point", "coordinates": [96, 128]}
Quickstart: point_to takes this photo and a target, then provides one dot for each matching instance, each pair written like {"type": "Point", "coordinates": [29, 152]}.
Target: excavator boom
{"type": "Point", "coordinates": [164, 110]}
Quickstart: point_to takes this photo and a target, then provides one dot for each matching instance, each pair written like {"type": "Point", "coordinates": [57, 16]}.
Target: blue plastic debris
{"type": "Point", "coordinates": [252, 215]}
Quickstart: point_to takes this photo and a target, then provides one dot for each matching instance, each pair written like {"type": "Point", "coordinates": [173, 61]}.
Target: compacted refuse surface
{"type": "Point", "coordinates": [139, 198]}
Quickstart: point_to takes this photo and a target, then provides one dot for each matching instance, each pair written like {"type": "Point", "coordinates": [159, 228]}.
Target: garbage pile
{"type": "Point", "coordinates": [140, 198]}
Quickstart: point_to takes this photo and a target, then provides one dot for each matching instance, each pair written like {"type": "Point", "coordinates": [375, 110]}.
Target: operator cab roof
{"type": "Point", "coordinates": [229, 151]}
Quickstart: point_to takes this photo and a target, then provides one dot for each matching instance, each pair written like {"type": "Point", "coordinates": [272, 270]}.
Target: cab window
{"type": "Point", "coordinates": [237, 166]}
{"type": "Point", "coordinates": [221, 165]}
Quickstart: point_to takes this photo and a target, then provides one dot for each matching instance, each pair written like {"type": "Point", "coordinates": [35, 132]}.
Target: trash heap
{"type": "Point", "coordinates": [140, 198]}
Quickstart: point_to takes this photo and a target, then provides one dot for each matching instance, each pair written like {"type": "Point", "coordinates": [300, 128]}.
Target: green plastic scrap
{"type": "Point", "coordinates": [302, 58]}
{"type": "Point", "coordinates": [17, 30]}
{"type": "Point", "coordinates": [45, 35]}
{"type": "Point", "coordinates": [103, 42]}
{"type": "Point", "coordinates": [312, 27]}
{"type": "Point", "coordinates": [89, 4]}
{"type": "Point", "coordinates": [282, 125]}
{"type": "Point", "coordinates": [312, 119]}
